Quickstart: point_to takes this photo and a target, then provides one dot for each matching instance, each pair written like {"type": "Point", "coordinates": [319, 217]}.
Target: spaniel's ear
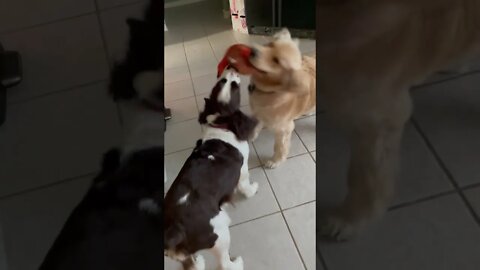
{"type": "Point", "coordinates": [242, 125]}
{"type": "Point", "coordinates": [173, 236]}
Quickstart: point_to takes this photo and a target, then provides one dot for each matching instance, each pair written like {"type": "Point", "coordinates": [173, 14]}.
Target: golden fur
{"type": "Point", "coordinates": [285, 88]}
{"type": "Point", "coordinates": [370, 53]}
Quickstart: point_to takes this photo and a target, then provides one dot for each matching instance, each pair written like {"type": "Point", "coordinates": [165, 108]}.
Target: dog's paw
{"type": "Point", "coordinates": [237, 263]}
{"type": "Point", "coordinates": [251, 190]}
{"type": "Point", "coordinates": [335, 228]}
{"type": "Point", "coordinates": [272, 164]}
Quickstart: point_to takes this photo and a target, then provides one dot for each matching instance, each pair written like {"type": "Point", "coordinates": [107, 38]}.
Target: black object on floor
{"type": "Point", "coordinates": [168, 114]}
{"type": "Point", "coordinates": [10, 75]}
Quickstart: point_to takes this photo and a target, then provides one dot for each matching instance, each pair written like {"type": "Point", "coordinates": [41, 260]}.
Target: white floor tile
{"type": "Point", "coordinates": [204, 67]}
{"type": "Point", "coordinates": [253, 160]}
{"type": "Point", "coordinates": [265, 141]}
{"type": "Point", "coordinates": [32, 221]}
{"type": "Point", "coordinates": [177, 74]}
{"type": "Point", "coordinates": [265, 244]}
{"type": "Point", "coordinates": [294, 181]}
{"type": "Point", "coordinates": [183, 109]}
{"type": "Point", "coordinates": [203, 85]}
{"type": "Point", "coordinates": [178, 90]}
{"type": "Point", "coordinates": [305, 128]}
{"type": "Point", "coordinates": [175, 56]}
{"type": "Point", "coordinates": [301, 221]}
{"type": "Point", "coordinates": [181, 136]}
{"type": "Point", "coordinates": [173, 164]}
{"type": "Point", "coordinates": [437, 234]}
{"type": "Point", "coordinates": [199, 51]}
{"type": "Point", "coordinates": [263, 203]}
{"type": "Point", "coordinates": [56, 137]}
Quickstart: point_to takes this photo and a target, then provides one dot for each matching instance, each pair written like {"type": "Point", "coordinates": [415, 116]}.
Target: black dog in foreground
{"type": "Point", "coordinates": [118, 224]}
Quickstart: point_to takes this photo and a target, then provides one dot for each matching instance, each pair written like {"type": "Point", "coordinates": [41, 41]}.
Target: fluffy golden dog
{"type": "Point", "coordinates": [282, 89]}
{"type": "Point", "coordinates": [370, 53]}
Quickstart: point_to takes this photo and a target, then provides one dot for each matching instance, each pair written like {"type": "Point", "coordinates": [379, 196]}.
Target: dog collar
{"type": "Point", "coordinates": [220, 126]}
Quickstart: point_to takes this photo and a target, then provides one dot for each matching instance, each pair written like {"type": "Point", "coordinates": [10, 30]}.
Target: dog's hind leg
{"type": "Point", "coordinates": [375, 144]}
{"type": "Point", "coordinates": [283, 135]}
{"type": "Point", "coordinates": [246, 188]}
{"type": "Point", "coordinates": [222, 245]}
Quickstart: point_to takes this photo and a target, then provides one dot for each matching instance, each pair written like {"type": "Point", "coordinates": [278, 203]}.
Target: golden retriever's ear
{"type": "Point", "coordinates": [296, 41]}
{"type": "Point", "coordinates": [283, 34]}
{"type": "Point", "coordinates": [291, 64]}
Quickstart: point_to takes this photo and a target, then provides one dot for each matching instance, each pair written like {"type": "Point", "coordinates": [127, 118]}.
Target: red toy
{"type": "Point", "coordinates": [237, 56]}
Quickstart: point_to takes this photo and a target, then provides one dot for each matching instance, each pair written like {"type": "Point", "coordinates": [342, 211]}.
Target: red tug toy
{"type": "Point", "coordinates": [237, 56]}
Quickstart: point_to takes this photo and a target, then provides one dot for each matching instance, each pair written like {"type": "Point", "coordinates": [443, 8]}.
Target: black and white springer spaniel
{"type": "Point", "coordinates": [194, 219]}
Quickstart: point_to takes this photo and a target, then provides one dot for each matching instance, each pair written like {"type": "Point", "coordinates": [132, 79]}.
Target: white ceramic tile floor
{"type": "Point", "coordinates": [259, 229]}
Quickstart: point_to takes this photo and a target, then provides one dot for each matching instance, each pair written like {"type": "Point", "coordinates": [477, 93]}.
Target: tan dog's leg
{"type": "Point", "coordinates": [283, 135]}
{"type": "Point", "coordinates": [257, 130]}
{"type": "Point", "coordinates": [375, 142]}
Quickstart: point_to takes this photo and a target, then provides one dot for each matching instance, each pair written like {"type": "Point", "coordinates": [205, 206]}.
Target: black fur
{"type": "Point", "coordinates": [210, 183]}
{"type": "Point", "coordinates": [230, 114]}
{"type": "Point", "coordinates": [145, 53]}
{"type": "Point", "coordinates": [107, 230]}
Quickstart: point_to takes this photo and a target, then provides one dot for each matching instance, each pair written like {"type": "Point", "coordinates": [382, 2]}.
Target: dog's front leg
{"type": "Point", "coordinates": [256, 131]}
{"type": "Point", "coordinates": [375, 146]}
{"type": "Point", "coordinates": [283, 135]}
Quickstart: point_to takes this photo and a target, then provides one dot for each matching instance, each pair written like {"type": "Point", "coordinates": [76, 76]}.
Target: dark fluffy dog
{"type": "Point", "coordinates": [194, 218]}
{"type": "Point", "coordinates": [143, 65]}
{"type": "Point", "coordinates": [118, 224]}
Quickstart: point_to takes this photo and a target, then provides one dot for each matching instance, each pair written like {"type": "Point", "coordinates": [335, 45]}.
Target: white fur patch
{"type": "Point", "coordinates": [211, 118]}
{"type": "Point", "coordinates": [220, 223]}
{"type": "Point", "coordinates": [226, 92]}
{"type": "Point", "coordinates": [184, 198]}
{"type": "Point", "coordinates": [148, 205]}
{"type": "Point", "coordinates": [211, 157]}
{"type": "Point", "coordinates": [229, 137]}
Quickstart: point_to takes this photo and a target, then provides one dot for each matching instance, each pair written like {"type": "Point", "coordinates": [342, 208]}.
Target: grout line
{"type": "Point", "coordinates": [302, 204]}
{"type": "Point", "coordinates": [421, 200]}
{"type": "Point", "coordinates": [107, 57]}
{"type": "Point", "coordinates": [25, 28]}
{"type": "Point", "coordinates": [290, 157]}
{"type": "Point", "coordinates": [119, 5]}
{"type": "Point", "coordinates": [471, 186]}
{"type": "Point", "coordinates": [283, 215]}
{"type": "Point", "coordinates": [454, 77]}
{"type": "Point", "coordinates": [29, 190]}
{"type": "Point", "coordinates": [321, 258]}
{"type": "Point", "coordinates": [449, 175]}
{"type": "Point", "coordinates": [304, 145]}
{"type": "Point", "coordinates": [26, 100]}
{"type": "Point", "coordinates": [254, 219]}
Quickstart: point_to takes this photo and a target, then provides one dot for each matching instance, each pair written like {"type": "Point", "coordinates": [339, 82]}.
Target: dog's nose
{"type": "Point", "coordinates": [253, 52]}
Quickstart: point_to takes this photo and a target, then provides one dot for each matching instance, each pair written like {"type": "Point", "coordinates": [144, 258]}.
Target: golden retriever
{"type": "Point", "coordinates": [282, 89]}
{"type": "Point", "coordinates": [370, 53]}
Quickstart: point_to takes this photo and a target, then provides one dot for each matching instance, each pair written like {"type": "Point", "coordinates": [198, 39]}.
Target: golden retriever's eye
{"type": "Point", "coordinates": [275, 60]}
